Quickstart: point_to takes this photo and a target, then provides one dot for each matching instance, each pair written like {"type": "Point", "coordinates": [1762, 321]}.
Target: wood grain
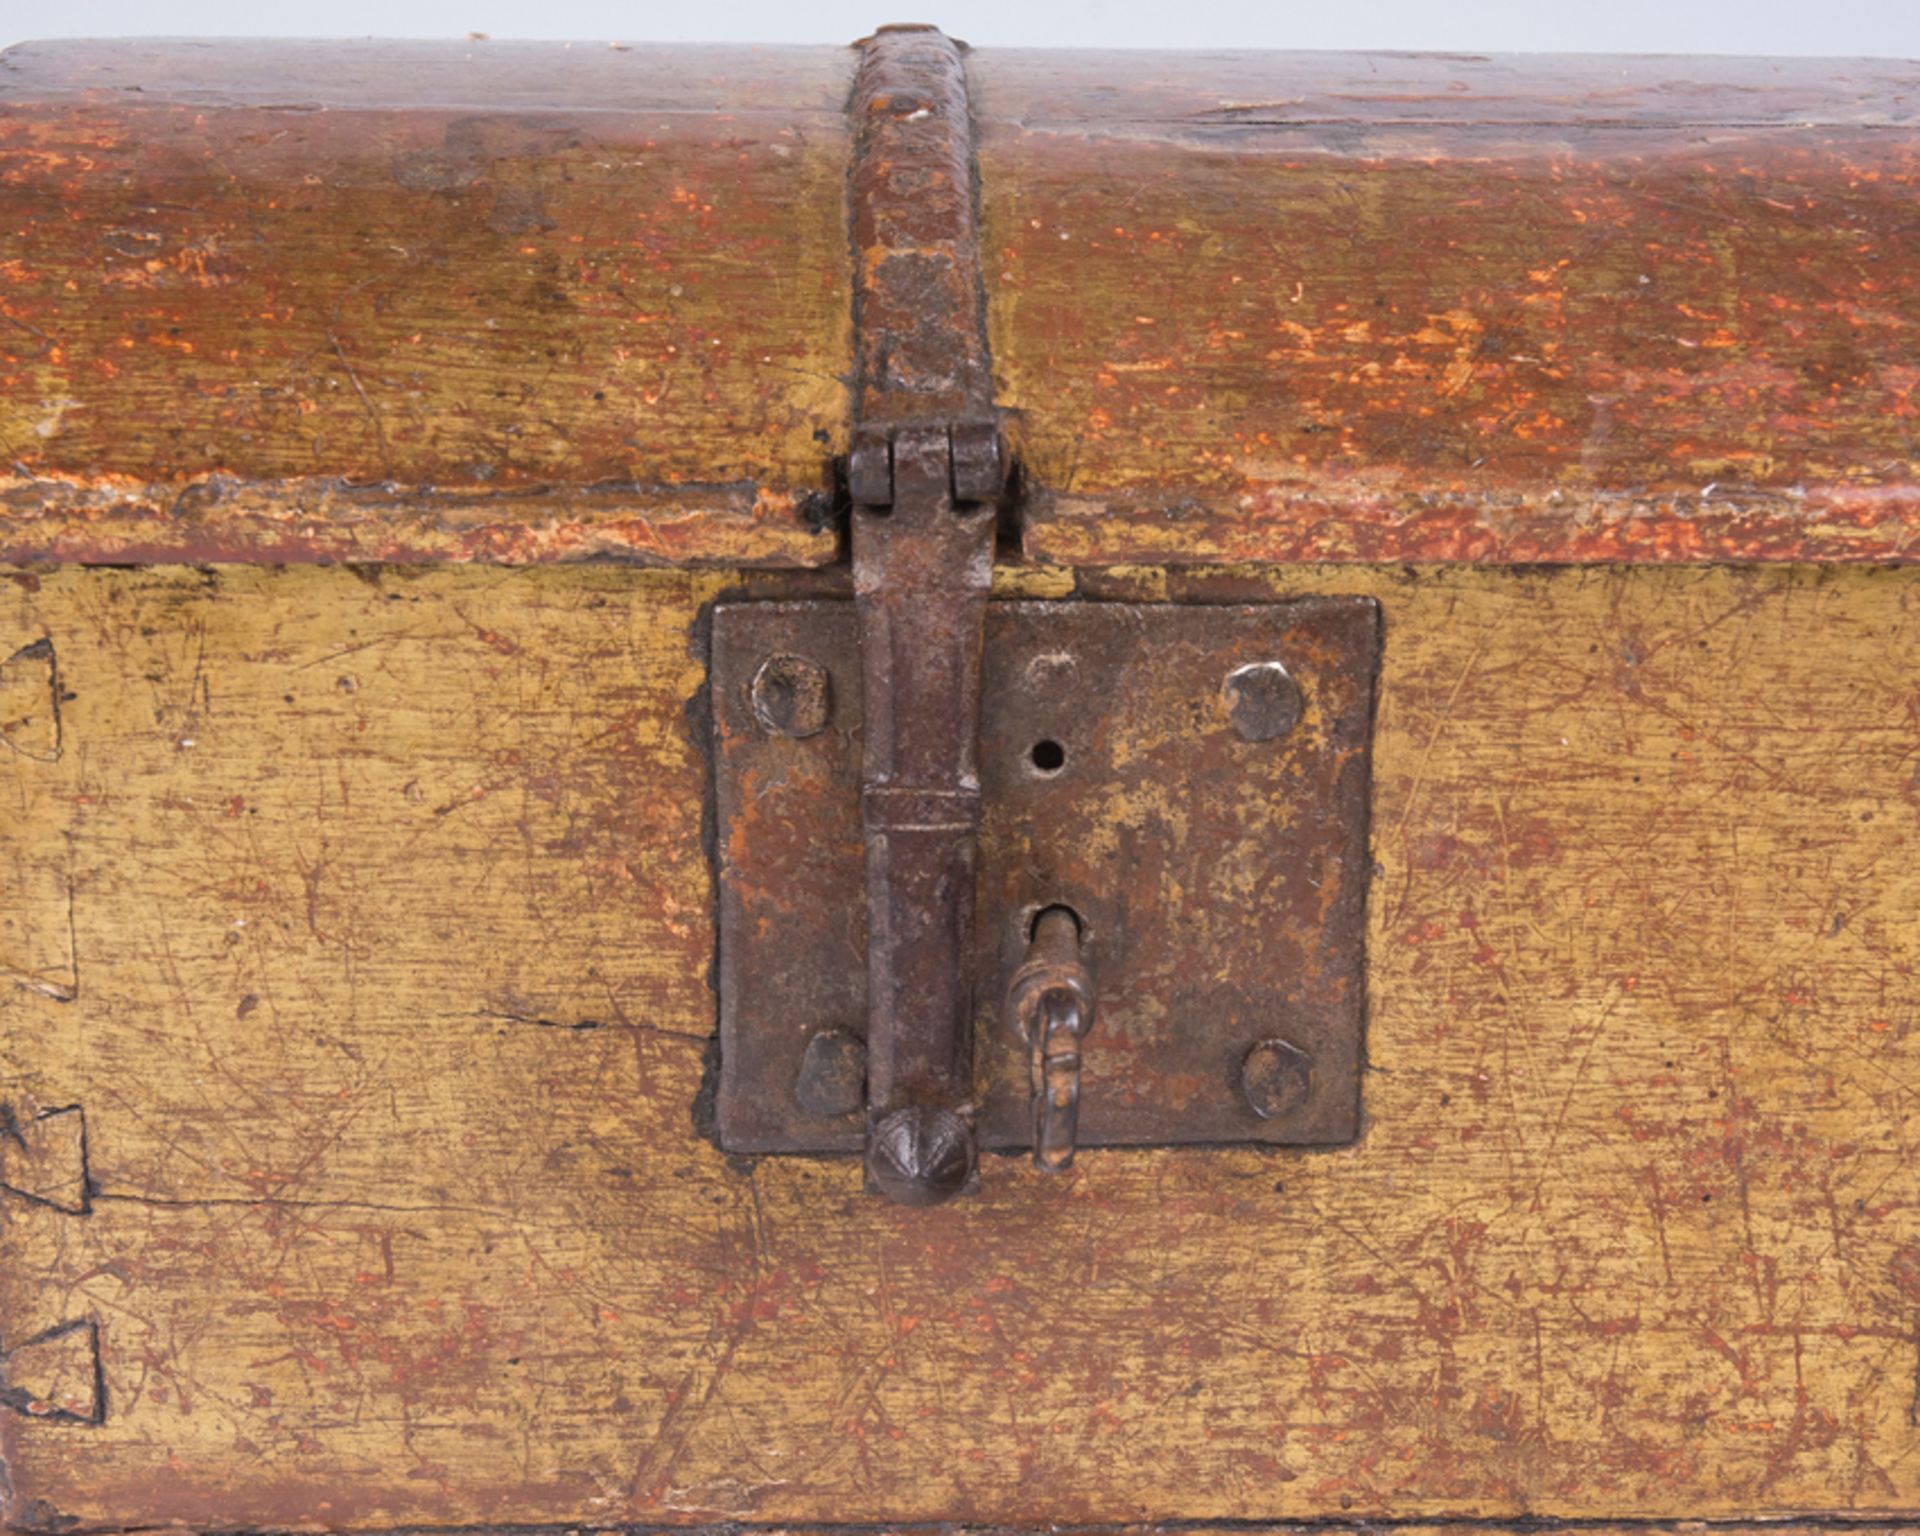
{"type": "Point", "coordinates": [391, 925]}
{"type": "Point", "coordinates": [1280, 307]}
{"type": "Point", "coordinates": [250, 290]}
{"type": "Point", "coordinates": [528, 303]}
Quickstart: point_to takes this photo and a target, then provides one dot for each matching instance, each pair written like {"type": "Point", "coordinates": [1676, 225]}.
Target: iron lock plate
{"type": "Point", "coordinates": [1192, 780]}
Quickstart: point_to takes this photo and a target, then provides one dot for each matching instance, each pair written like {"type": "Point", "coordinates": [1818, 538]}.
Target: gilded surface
{"type": "Point", "coordinates": [384, 921]}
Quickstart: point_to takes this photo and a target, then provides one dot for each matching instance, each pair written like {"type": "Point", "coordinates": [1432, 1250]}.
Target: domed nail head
{"type": "Point", "coordinates": [1263, 701]}
{"type": "Point", "coordinates": [791, 696]}
{"type": "Point", "coordinates": [919, 1156]}
{"type": "Point", "coordinates": [1277, 1077]}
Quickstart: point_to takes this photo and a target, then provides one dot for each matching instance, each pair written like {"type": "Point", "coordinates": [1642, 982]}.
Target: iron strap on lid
{"type": "Point", "coordinates": [926, 473]}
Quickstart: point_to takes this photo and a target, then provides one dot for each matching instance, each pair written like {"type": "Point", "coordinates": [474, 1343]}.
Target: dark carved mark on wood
{"type": "Point", "coordinates": [56, 1376]}
{"type": "Point", "coordinates": [43, 1158]}
{"type": "Point", "coordinates": [30, 701]}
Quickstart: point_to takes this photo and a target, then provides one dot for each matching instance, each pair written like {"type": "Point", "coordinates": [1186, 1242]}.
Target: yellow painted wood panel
{"type": "Point", "coordinates": [390, 920]}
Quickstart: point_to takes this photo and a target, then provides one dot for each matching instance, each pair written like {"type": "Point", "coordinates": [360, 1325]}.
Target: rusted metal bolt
{"type": "Point", "coordinates": [833, 1074]}
{"type": "Point", "coordinates": [1263, 700]}
{"type": "Point", "coordinates": [921, 1156]}
{"type": "Point", "coordinates": [1275, 1075]}
{"type": "Point", "coordinates": [791, 696]}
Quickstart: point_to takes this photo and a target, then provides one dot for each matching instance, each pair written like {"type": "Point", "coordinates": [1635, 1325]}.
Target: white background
{"type": "Point", "coordinates": [1885, 28]}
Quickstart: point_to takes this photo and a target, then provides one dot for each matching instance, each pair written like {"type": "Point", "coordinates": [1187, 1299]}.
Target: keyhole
{"type": "Point", "coordinates": [1048, 756]}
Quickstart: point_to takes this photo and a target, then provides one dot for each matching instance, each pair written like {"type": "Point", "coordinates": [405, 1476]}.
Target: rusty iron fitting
{"type": "Point", "coordinates": [1051, 1004]}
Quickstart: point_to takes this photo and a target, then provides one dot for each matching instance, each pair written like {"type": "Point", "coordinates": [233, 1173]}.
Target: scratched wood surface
{"type": "Point", "coordinates": [363, 918]}
{"type": "Point", "coordinates": [421, 301]}
{"type": "Point", "coordinates": [1377, 307]}
{"type": "Point", "coordinates": [542, 303]}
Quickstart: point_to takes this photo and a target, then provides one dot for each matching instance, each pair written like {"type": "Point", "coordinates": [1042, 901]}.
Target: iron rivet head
{"type": "Point", "coordinates": [833, 1074]}
{"type": "Point", "coordinates": [791, 696]}
{"type": "Point", "coordinates": [1053, 673]}
{"type": "Point", "coordinates": [1263, 700]}
{"type": "Point", "coordinates": [920, 1156]}
{"type": "Point", "coordinates": [1275, 1076]}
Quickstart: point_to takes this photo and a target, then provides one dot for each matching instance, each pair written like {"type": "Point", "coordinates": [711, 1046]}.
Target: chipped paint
{"type": "Point", "coordinates": [1455, 309]}
{"type": "Point", "coordinates": [213, 293]}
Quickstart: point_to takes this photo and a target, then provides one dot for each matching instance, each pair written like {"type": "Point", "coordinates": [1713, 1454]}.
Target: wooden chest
{"type": "Point", "coordinates": [570, 613]}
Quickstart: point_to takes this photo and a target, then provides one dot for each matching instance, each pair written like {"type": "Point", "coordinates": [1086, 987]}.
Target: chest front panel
{"type": "Point", "coordinates": [367, 919]}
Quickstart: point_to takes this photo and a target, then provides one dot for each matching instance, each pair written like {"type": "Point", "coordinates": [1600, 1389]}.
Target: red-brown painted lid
{"type": "Point", "coordinates": [529, 302]}
{"type": "Point", "coordinates": [1282, 307]}
{"type": "Point", "coordinates": [421, 301]}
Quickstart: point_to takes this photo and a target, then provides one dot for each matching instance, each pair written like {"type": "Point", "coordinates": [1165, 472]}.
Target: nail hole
{"type": "Point", "coordinates": [1048, 756]}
